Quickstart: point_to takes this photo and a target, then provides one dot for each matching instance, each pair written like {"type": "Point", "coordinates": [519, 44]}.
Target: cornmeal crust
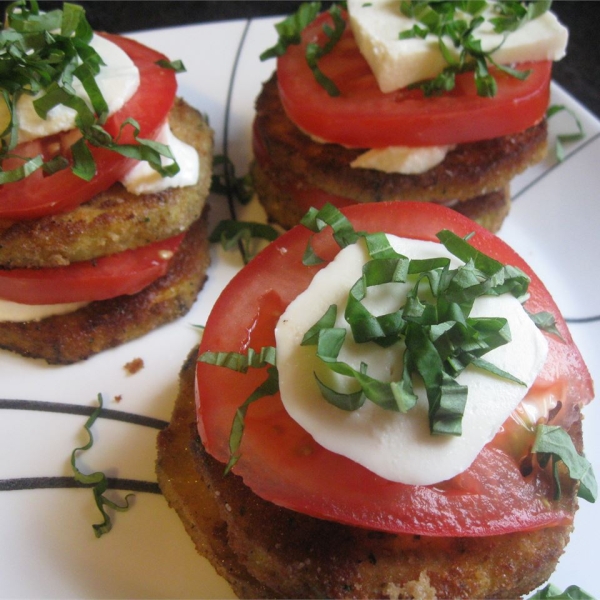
{"type": "Point", "coordinates": [265, 551]}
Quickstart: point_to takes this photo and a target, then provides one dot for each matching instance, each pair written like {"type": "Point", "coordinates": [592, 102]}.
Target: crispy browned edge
{"type": "Point", "coordinates": [488, 210]}
{"type": "Point", "coordinates": [72, 337]}
{"type": "Point", "coordinates": [265, 551]}
{"type": "Point", "coordinates": [114, 220]}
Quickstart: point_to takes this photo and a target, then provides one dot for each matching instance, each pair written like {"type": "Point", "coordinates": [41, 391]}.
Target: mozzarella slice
{"type": "Point", "coordinates": [398, 63]}
{"type": "Point", "coordinates": [118, 81]}
{"type": "Point", "coordinates": [22, 313]}
{"type": "Point", "coordinates": [402, 159]}
{"type": "Point", "coordinates": [143, 179]}
{"type": "Point", "coordinates": [393, 445]}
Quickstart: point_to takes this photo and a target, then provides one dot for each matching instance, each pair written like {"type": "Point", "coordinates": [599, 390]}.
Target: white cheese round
{"type": "Point", "coordinates": [143, 179]}
{"type": "Point", "coordinates": [118, 81]}
{"type": "Point", "coordinates": [16, 312]}
{"type": "Point", "coordinates": [393, 445]}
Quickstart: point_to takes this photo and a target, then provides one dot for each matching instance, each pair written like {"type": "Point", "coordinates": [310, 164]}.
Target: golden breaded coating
{"type": "Point", "coordinates": [114, 220]}
{"type": "Point", "coordinates": [488, 210]}
{"type": "Point", "coordinates": [266, 551]}
{"type": "Point", "coordinates": [72, 337]}
{"type": "Point", "coordinates": [468, 171]}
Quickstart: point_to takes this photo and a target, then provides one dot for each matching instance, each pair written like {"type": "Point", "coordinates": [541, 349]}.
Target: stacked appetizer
{"type": "Point", "coordinates": [385, 404]}
{"type": "Point", "coordinates": [435, 102]}
{"type": "Point", "coordinates": [103, 178]}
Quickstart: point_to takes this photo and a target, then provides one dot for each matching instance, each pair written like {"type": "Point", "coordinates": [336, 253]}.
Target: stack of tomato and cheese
{"type": "Point", "coordinates": [405, 101]}
{"type": "Point", "coordinates": [104, 176]}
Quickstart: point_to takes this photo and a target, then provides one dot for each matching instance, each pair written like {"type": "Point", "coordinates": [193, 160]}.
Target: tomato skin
{"type": "Point", "coordinates": [38, 195]}
{"type": "Point", "coordinates": [110, 276]}
{"type": "Point", "coordinates": [364, 117]}
{"type": "Point", "coordinates": [281, 463]}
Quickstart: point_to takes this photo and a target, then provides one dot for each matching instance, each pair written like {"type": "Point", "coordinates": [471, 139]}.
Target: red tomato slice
{"type": "Point", "coordinates": [363, 117]}
{"type": "Point", "coordinates": [38, 195]}
{"type": "Point", "coordinates": [126, 272]}
{"type": "Point", "coordinates": [281, 462]}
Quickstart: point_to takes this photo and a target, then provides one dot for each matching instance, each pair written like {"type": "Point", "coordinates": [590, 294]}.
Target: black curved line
{"type": "Point", "coordinates": [114, 483]}
{"type": "Point", "coordinates": [556, 165]}
{"type": "Point", "coordinates": [228, 174]}
{"type": "Point", "coordinates": [583, 319]}
{"type": "Point", "coordinates": [73, 409]}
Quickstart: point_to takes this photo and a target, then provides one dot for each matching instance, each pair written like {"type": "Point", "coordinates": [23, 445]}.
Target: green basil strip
{"type": "Point", "coordinates": [545, 321]}
{"type": "Point", "coordinates": [314, 52]}
{"type": "Point", "coordinates": [316, 220]}
{"type": "Point", "coordinates": [84, 165]}
{"type": "Point", "coordinates": [268, 388]}
{"type": "Point", "coordinates": [240, 362]}
{"type": "Point", "coordinates": [553, 441]}
{"type": "Point", "coordinates": [563, 138]}
{"type": "Point", "coordinates": [97, 480]}
{"type": "Point", "coordinates": [173, 65]}
{"type": "Point", "coordinates": [327, 321]}
{"type": "Point", "coordinates": [231, 234]}
{"type": "Point", "coordinates": [228, 184]}
{"type": "Point", "coordinates": [553, 592]}
{"type": "Point", "coordinates": [383, 330]}
{"type": "Point", "coordinates": [23, 171]}
{"type": "Point", "coordinates": [290, 29]}
{"type": "Point", "coordinates": [343, 231]}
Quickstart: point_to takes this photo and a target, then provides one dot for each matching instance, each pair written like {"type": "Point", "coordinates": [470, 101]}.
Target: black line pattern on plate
{"type": "Point", "coordinates": [556, 165]}
{"type": "Point", "coordinates": [66, 408]}
{"type": "Point", "coordinates": [39, 483]}
{"type": "Point", "coordinates": [229, 175]}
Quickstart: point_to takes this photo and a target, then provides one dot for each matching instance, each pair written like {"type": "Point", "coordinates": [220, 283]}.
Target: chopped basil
{"type": "Point", "coordinates": [563, 138]}
{"type": "Point", "coordinates": [554, 445]}
{"type": "Point", "coordinates": [441, 339]}
{"type": "Point", "coordinates": [97, 480]}
{"type": "Point", "coordinates": [233, 234]}
{"type": "Point", "coordinates": [226, 183]}
{"type": "Point", "coordinates": [457, 22]}
{"type": "Point", "coordinates": [290, 30]}
{"type": "Point", "coordinates": [314, 52]}
{"type": "Point", "coordinates": [41, 54]}
{"type": "Point", "coordinates": [241, 363]}
{"type": "Point", "coordinates": [174, 65]}
{"type": "Point", "coordinates": [553, 592]}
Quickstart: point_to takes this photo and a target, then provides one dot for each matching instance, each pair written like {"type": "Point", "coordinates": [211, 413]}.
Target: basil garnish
{"type": "Point", "coordinates": [41, 54]}
{"type": "Point", "coordinates": [458, 21]}
{"type": "Point", "coordinates": [290, 30]}
{"type": "Point", "coordinates": [554, 445]}
{"type": "Point", "coordinates": [441, 338]}
{"type": "Point", "coordinates": [241, 363]}
{"type": "Point", "coordinates": [97, 480]}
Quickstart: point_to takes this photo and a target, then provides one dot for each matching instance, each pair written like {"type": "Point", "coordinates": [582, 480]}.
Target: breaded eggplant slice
{"type": "Point", "coordinates": [488, 210]}
{"type": "Point", "coordinates": [469, 170]}
{"type": "Point", "coordinates": [98, 326]}
{"type": "Point", "coordinates": [114, 220]}
{"type": "Point", "coordinates": [265, 551]}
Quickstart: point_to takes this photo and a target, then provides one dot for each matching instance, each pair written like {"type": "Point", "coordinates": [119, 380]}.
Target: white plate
{"type": "Point", "coordinates": [47, 545]}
